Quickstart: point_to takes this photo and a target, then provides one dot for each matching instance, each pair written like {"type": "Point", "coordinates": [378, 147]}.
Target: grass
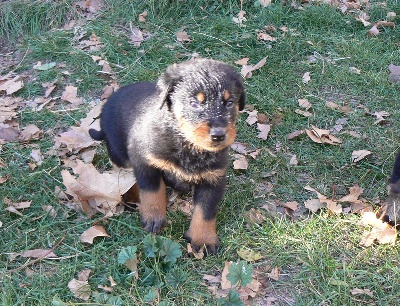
{"type": "Point", "coordinates": [319, 256]}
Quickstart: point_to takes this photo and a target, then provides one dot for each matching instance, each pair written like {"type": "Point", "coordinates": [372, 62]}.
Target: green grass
{"type": "Point", "coordinates": [319, 256]}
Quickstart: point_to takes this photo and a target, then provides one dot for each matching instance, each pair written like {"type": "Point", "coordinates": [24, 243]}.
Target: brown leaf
{"type": "Point", "coordinates": [356, 291]}
{"type": "Point", "coordinates": [303, 113]}
{"type": "Point", "coordinates": [306, 77]}
{"type": "Point", "coordinates": [264, 130]}
{"type": "Point", "coordinates": [247, 70]}
{"type": "Point", "coordinates": [381, 236]}
{"type": "Point", "coordinates": [30, 132]}
{"type": "Point", "coordinates": [354, 194]}
{"type": "Point", "coordinates": [8, 133]}
{"type": "Point", "coordinates": [39, 253]}
{"type": "Point", "coordinates": [265, 3]}
{"type": "Point", "coordinates": [394, 76]}
{"type": "Point", "coordinates": [265, 37]}
{"type": "Point", "coordinates": [142, 16]}
{"type": "Point", "coordinates": [356, 156]}
{"type": "Point", "coordinates": [322, 136]}
{"type": "Point", "coordinates": [75, 139]}
{"type": "Point", "coordinates": [240, 162]}
{"type": "Point", "coordinates": [295, 134]}
{"type": "Point", "coordinates": [291, 205]}
{"type": "Point", "coordinates": [93, 232]}
{"type": "Point", "coordinates": [252, 118]}
{"type": "Point", "coordinates": [225, 283]}
{"type": "Point", "coordinates": [242, 61]}
{"type": "Point", "coordinates": [274, 274]}
{"type": "Point", "coordinates": [240, 18]}
{"type": "Point", "coordinates": [80, 289]}
{"type": "Point", "coordinates": [50, 210]}
{"type": "Point", "coordinates": [373, 31]}
{"type": "Point", "coordinates": [97, 191]}
{"type": "Point", "coordinates": [304, 103]}
{"type": "Point", "coordinates": [11, 84]}
{"type": "Point", "coordinates": [293, 160]}
{"type": "Point", "coordinates": [70, 95]}
{"type": "Point", "coordinates": [182, 36]}
{"type": "Point", "coordinates": [136, 36]}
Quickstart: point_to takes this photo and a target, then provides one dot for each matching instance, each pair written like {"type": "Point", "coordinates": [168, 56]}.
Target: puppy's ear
{"type": "Point", "coordinates": [167, 82]}
{"type": "Point", "coordinates": [242, 101]}
{"type": "Point", "coordinates": [240, 88]}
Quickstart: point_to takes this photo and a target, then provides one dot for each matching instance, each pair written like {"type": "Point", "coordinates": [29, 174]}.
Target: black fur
{"type": "Point", "coordinates": [151, 128]}
{"type": "Point", "coordinates": [390, 210]}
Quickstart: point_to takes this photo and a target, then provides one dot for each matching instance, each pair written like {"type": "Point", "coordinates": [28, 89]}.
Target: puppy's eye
{"type": "Point", "coordinates": [229, 103]}
{"type": "Point", "coordinates": [194, 104]}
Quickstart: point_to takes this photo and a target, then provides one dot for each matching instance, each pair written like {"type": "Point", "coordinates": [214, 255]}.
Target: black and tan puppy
{"type": "Point", "coordinates": [390, 210]}
{"type": "Point", "coordinates": [177, 132]}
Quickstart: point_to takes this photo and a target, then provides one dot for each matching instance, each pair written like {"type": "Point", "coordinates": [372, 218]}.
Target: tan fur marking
{"type": "Point", "coordinates": [212, 176]}
{"type": "Point", "coordinates": [226, 95]}
{"type": "Point", "coordinates": [201, 97]}
{"type": "Point", "coordinates": [202, 232]}
{"type": "Point", "coordinates": [199, 136]}
{"type": "Point", "coordinates": [153, 204]}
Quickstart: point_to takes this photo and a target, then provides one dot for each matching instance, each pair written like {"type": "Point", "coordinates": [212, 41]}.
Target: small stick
{"type": "Point", "coordinates": [37, 259]}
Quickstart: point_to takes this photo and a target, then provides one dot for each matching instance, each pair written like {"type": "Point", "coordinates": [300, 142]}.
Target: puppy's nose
{"type": "Point", "coordinates": [218, 134]}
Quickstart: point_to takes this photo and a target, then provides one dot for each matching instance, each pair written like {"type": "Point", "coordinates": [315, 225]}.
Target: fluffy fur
{"type": "Point", "coordinates": [177, 132]}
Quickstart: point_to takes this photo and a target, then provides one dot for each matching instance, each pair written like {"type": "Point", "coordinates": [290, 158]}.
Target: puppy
{"type": "Point", "coordinates": [176, 132]}
{"type": "Point", "coordinates": [390, 210]}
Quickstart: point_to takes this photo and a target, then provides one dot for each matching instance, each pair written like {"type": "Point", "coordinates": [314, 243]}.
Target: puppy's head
{"type": "Point", "coordinates": [205, 97]}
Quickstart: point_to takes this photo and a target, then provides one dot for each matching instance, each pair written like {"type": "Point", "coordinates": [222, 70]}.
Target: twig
{"type": "Point", "coordinates": [37, 259]}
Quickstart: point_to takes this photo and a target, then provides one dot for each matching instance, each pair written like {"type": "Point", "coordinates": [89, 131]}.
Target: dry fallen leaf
{"type": "Point", "coordinates": [30, 132]}
{"type": "Point", "coordinates": [394, 76]}
{"type": "Point", "coordinates": [70, 95]}
{"type": "Point", "coordinates": [314, 205]}
{"type": "Point", "coordinates": [136, 36]}
{"type": "Point", "coordinates": [93, 190]}
{"type": "Point", "coordinates": [381, 232]}
{"type": "Point", "coordinates": [142, 16]}
{"type": "Point", "coordinates": [362, 291]}
{"type": "Point", "coordinates": [303, 113]}
{"type": "Point", "coordinates": [306, 77]}
{"type": "Point", "coordinates": [356, 156]}
{"type": "Point", "coordinates": [265, 37]}
{"type": "Point", "coordinates": [322, 136]}
{"type": "Point", "coordinates": [304, 103]}
{"type": "Point", "coordinates": [248, 254]}
{"type": "Point", "coordinates": [240, 162]}
{"type": "Point", "coordinates": [182, 36]}
{"type": "Point", "coordinates": [264, 130]}
{"type": "Point", "coordinates": [10, 84]}
{"type": "Point", "coordinates": [295, 134]}
{"type": "Point", "coordinates": [293, 160]}
{"type": "Point", "coordinates": [242, 61]}
{"type": "Point", "coordinates": [39, 253]}
{"type": "Point", "coordinates": [93, 232]}
{"type": "Point", "coordinates": [274, 274]}
{"type": "Point", "coordinates": [252, 118]}
{"type": "Point", "coordinates": [247, 70]}
{"type": "Point", "coordinates": [240, 18]}
{"type": "Point", "coordinates": [80, 289]}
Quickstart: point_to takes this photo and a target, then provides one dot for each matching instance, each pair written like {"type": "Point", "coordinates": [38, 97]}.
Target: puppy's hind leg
{"type": "Point", "coordinates": [153, 198]}
{"type": "Point", "coordinates": [390, 210]}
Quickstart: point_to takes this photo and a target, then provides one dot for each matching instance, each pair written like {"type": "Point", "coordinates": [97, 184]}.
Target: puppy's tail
{"type": "Point", "coordinates": [96, 135]}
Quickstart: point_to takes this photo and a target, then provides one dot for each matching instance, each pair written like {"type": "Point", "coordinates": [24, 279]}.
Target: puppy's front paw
{"type": "Point", "coordinates": [153, 225]}
{"type": "Point", "coordinates": [201, 237]}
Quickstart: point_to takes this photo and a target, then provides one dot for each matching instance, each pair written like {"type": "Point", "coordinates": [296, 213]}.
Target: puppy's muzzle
{"type": "Point", "coordinates": [218, 134]}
